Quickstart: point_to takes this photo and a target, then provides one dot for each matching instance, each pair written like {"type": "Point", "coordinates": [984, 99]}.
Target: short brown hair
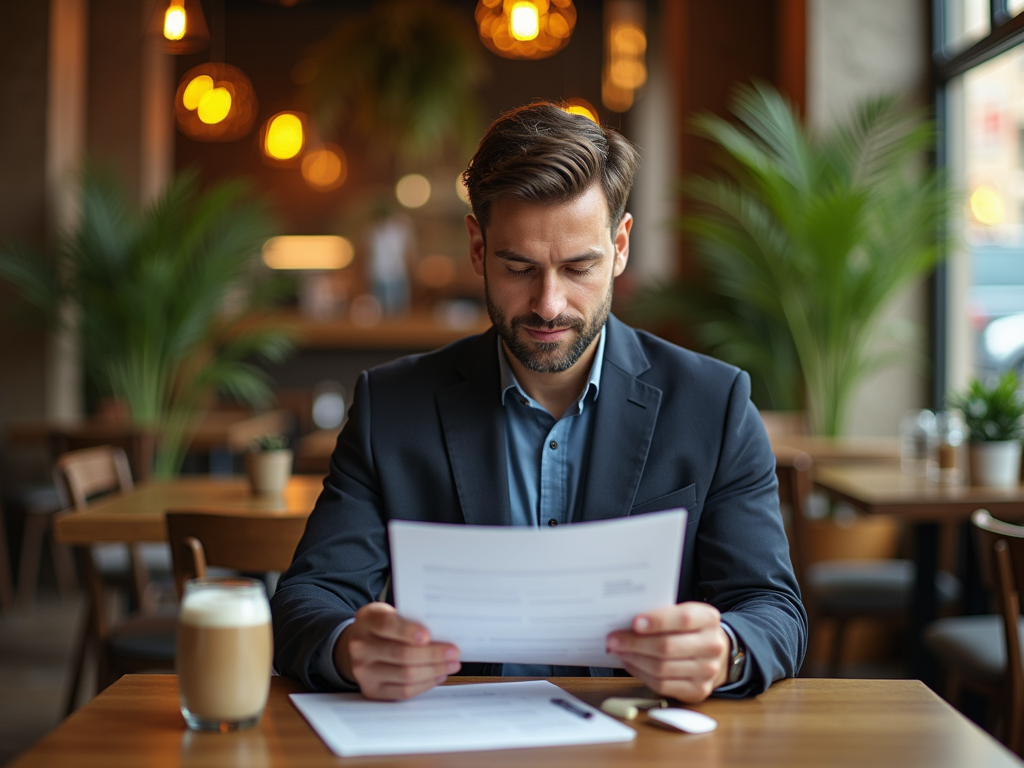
{"type": "Point", "coordinates": [540, 153]}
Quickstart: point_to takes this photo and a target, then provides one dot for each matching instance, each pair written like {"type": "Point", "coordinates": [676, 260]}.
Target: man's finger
{"type": "Point", "coordinates": [401, 691]}
{"type": "Point", "coordinates": [400, 674]}
{"type": "Point", "coordinates": [684, 617]}
{"type": "Point", "coordinates": [696, 670]}
{"type": "Point", "coordinates": [383, 621]}
{"type": "Point", "coordinates": [402, 653]}
{"type": "Point", "coordinates": [678, 645]}
{"type": "Point", "coordinates": [686, 691]}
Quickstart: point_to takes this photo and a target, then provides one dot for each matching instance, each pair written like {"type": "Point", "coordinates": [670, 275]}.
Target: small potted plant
{"type": "Point", "coordinates": [993, 415]}
{"type": "Point", "coordinates": [269, 464]}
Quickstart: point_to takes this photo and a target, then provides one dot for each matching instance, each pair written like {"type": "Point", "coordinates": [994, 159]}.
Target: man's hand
{"type": "Point", "coordinates": [392, 658]}
{"type": "Point", "coordinates": [681, 651]}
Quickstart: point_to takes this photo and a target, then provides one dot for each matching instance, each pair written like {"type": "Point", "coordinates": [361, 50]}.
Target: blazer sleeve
{"type": "Point", "coordinates": [743, 563]}
{"type": "Point", "coordinates": [342, 560]}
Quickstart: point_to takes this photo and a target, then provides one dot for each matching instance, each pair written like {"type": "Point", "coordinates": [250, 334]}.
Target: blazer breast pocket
{"type": "Point", "coordinates": [684, 497]}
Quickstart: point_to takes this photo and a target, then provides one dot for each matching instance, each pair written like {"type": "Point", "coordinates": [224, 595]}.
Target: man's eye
{"type": "Point", "coordinates": [519, 272]}
{"type": "Point", "coordinates": [582, 272]}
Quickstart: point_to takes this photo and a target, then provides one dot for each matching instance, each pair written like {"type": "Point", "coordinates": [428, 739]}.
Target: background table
{"type": "Point", "coordinates": [812, 723]}
{"type": "Point", "coordinates": [884, 490]}
{"type": "Point", "coordinates": [139, 515]}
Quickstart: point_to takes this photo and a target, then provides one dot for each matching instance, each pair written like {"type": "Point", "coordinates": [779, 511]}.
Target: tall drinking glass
{"type": "Point", "coordinates": [224, 653]}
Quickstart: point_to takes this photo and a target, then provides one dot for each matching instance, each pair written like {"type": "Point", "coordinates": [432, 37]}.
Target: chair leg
{"type": "Point", "coordinates": [31, 551]}
{"type": "Point", "coordinates": [64, 567]}
{"type": "Point", "coordinates": [78, 662]}
{"type": "Point", "coordinates": [836, 653]}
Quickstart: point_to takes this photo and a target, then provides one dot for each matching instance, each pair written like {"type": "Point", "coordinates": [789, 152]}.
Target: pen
{"type": "Point", "coordinates": [569, 707]}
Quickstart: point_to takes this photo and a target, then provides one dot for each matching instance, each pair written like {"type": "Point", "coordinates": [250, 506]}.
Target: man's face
{"type": "Point", "coordinates": [548, 271]}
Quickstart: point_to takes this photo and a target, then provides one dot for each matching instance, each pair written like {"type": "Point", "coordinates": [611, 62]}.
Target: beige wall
{"type": "Point", "coordinates": [858, 49]}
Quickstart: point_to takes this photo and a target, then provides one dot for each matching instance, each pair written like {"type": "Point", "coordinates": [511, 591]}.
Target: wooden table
{"type": "Point", "coordinates": [884, 490]}
{"type": "Point", "coordinates": [812, 723]}
{"type": "Point", "coordinates": [826, 450]}
{"type": "Point", "coordinates": [139, 515]}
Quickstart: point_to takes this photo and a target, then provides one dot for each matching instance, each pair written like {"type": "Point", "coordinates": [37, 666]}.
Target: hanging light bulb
{"type": "Point", "coordinates": [283, 136]}
{"type": "Point", "coordinates": [525, 29]}
{"type": "Point", "coordinates": [214, 105]}
{"type": "Point", "coordinates": [215, 102]}
{"type": "Point", "coordinates": [175, 20]}
{"type": "Point", "coordinates": [178, 26]}
{"type": "Point", "coordinates": [524, 21]}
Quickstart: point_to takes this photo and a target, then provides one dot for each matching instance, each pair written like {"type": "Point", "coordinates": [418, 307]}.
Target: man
{"type": "Point", "coordinates": [558, 414]}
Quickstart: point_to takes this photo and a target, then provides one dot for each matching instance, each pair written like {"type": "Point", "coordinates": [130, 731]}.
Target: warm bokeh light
{"type": "Point", "coordinates": [284, 137]}
{"type": "Point", "coordinates": [625, 45]}
{"type": "Point", "coordinates": [308, 252]}
{"type": "Point", "coordinates": [175, 21]}
{"type": "Point", "coordinates": [987, 206]}
{"type": "Point", "coordinates": [325, 169]}
{"type": "Point", "coordinates": [194, 91]}
{"type": "Point", "coordinates": [413, 190]}
{"type": "Point", "coordinates": [582, 107]}
{"type": "Point", "coordinates": [525, 29]}
{"type": "Point", "coordinates": [524, 21]}
{"type": "Point", "coordinates": [436, 271]}
{"type": "Point", "coordinates": [214, 105]}
{"type": "Point", "coordinates": [215, 102]}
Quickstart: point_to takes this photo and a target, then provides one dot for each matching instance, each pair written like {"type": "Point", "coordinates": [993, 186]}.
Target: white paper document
{"type": "Point", "coordinates": [457, 718]}
{"type": "Point", "coordinates": [536, 596]}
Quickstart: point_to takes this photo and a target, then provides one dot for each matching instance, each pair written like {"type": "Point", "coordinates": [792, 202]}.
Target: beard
{"type": "Point", "coordinates": [548, 356]}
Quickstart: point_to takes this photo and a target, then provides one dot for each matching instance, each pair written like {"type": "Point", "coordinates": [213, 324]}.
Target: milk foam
{"type": "Point", "coordinates": [222, 608]}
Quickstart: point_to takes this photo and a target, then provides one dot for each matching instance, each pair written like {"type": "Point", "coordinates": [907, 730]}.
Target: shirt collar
{"type": "Point", "coordinates": [508, 378]}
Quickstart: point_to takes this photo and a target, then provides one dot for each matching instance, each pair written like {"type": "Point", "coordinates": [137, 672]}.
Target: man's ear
{"type": "Point", "coordinates": [621, 241]}
{"type": "Point", "coordinates": [476, 244]}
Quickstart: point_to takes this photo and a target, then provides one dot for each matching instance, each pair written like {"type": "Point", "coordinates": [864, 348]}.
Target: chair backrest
{"type": "Point", "coordinates": [138, 445]}
{"type": "Point", "coordinates": [252, 542]}
{"type": "Point", "coordinates": [1001, 551]}
{"type": "Point", "coordinates": [82, 474]}
{"type": "Point", "coordinates": [793, 470]}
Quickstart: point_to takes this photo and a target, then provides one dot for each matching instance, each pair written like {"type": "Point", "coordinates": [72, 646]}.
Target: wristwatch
{"type": "Point", "coordinates": [737, 656]}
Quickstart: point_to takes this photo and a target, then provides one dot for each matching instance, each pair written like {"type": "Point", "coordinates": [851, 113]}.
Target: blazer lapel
{"type": "Point", "coordinates": [474, 430]}
{"type": "Point", "coordinates": [627, 411]}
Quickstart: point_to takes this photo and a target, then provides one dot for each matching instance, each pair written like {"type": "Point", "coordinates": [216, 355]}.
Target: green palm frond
{"type": "Point", "coordinates": [150, 288]}
{"type": "Point", "coordinates": [813, 237]}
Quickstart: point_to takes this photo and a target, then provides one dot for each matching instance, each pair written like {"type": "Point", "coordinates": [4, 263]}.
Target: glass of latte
{"type": "Point", "coordinates": [224, 653]}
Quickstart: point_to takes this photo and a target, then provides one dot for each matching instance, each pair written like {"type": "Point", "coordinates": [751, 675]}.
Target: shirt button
{"type": "Point", "coordinates": [552, 523]}
{"type": "Point", "coordinates": [553, 444]}
{"type": "Point", "coordinates": [523, 400]}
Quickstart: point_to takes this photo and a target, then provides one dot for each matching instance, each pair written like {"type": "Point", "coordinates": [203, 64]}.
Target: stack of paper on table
{"type": "Point", "coordinates": [457, 718]}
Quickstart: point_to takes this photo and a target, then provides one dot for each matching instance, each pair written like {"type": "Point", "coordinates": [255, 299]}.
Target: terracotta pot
{"type": "Point", "coordinates": [269, 471]}
{"type": "Point", "coordinates": [995, 463]}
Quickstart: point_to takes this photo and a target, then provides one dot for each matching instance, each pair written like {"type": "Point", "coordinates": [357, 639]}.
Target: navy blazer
{"type": "Point", "coordinates": [425, 441]}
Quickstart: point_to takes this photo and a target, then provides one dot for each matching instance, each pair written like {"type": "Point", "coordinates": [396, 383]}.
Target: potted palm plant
{"type": "Point", "coordinates": [803, 241]}
{"type": "Point", "coordinates": [163, 300]}
{"type": "Point", "coordinates": [994, 415]}
{"type": "Point", "coordinates": [269, 464]}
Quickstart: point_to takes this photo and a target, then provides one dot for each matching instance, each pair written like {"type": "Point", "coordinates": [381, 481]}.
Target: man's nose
{"type": "Point", "coordinates": [550, 302]}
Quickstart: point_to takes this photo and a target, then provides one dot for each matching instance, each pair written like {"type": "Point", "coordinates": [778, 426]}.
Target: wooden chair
{"type": "Point", "coordinates": [137, 449]}
{"type": "Point", "coordinates": [973, 649]}
{"type": "Point", "coordinates": [251, 543]}
{"type": "Point", "coordinates": [841, 591]}
{"type": "Point", "coordinates": [140, 642]}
